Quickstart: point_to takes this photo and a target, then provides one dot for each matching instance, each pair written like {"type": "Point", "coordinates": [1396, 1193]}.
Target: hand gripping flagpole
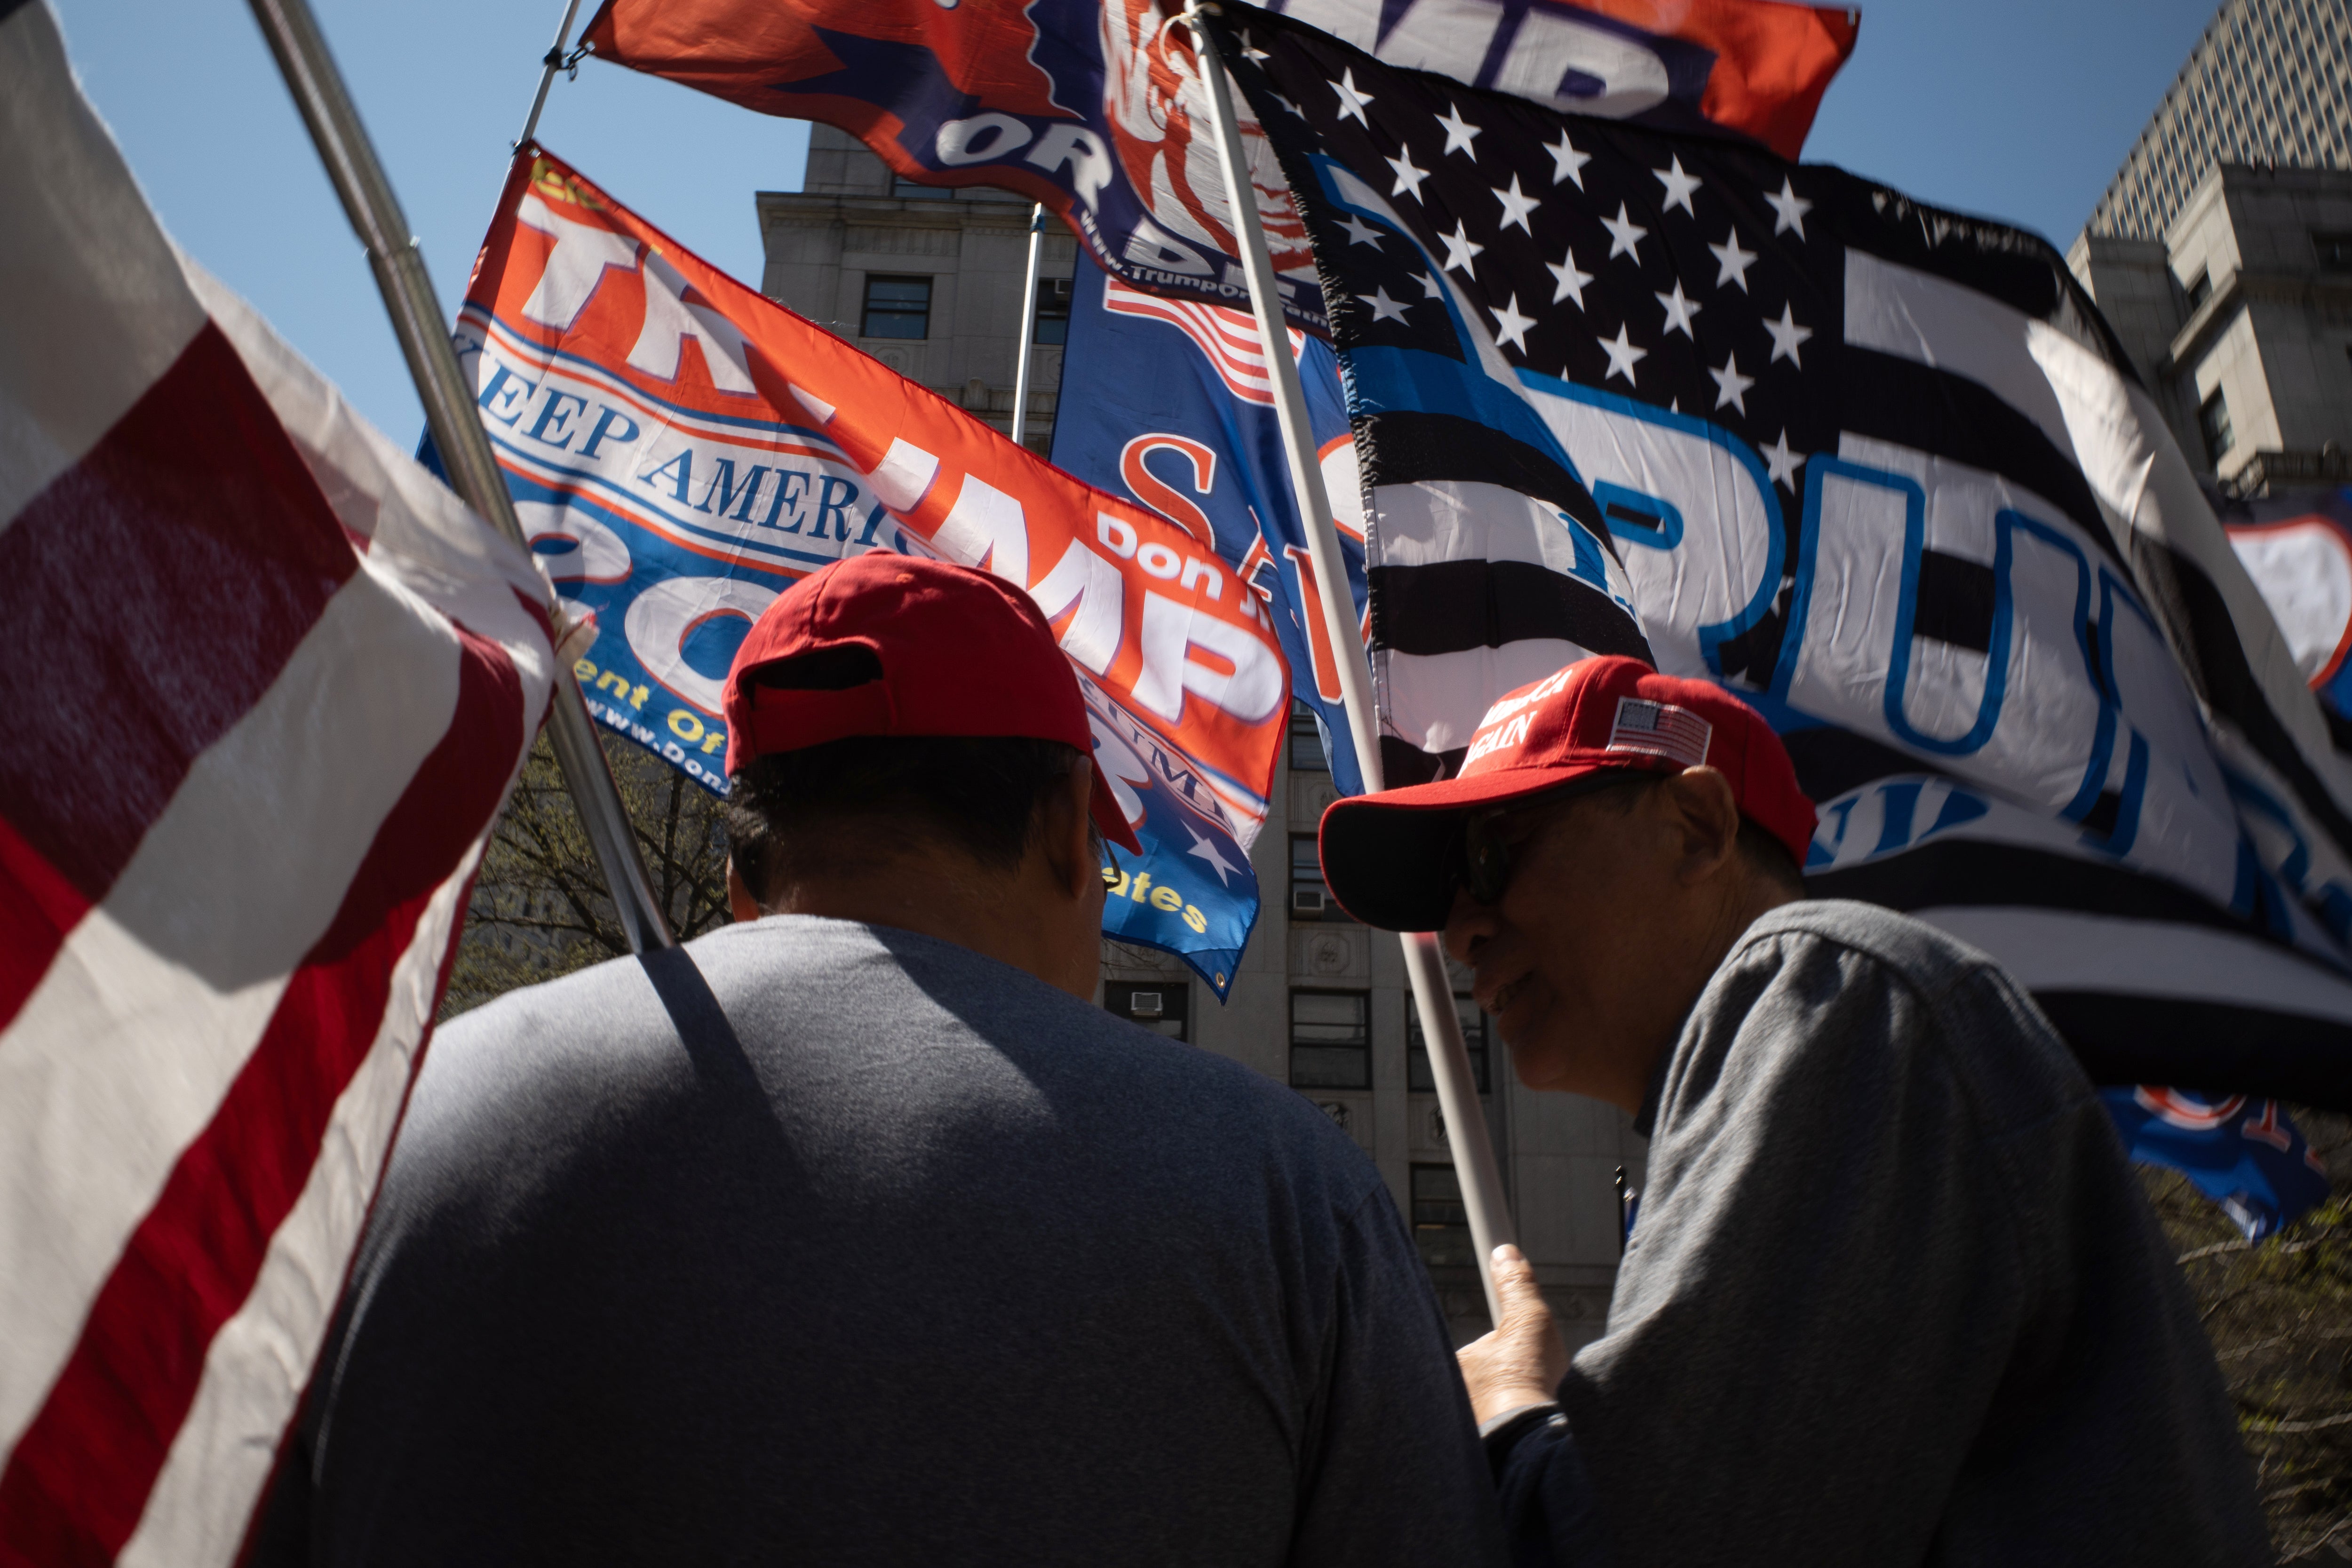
{"type": "Point", "coordinates": [1432, 993]}
{"type": "Point", "coordinates": [416, 320]}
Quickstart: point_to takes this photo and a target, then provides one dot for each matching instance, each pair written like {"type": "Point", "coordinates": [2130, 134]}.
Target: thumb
{"type": "Point", "coordinates": [1516, 1287]}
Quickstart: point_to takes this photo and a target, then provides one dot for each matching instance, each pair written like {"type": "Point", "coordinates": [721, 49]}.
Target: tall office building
{"type": "Point", "coordinates": [928, 281]}
{"type": "Point", "coordinates": [2266, 85]}
{"type": "Point", "coordinates": [2222, 252]}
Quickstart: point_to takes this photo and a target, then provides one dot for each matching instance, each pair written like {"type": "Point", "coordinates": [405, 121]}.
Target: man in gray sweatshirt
{"type": "Point", "coordinates": [1894, 1296]}
{"type": "Point", "coordinates": [853, 1234]}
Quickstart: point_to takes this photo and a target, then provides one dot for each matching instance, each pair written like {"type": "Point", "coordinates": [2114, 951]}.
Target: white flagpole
{"type": "Point", "coordinates": [423, 333]}
{"type": "Point", "coordinates": [553, 62]}
{"type": "Point", "coordinates": [1449, 1057]}
{"type": "Point", "coordinates": [1028, 320]}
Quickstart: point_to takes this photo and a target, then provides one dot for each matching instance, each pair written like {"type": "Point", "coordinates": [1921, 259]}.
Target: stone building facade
{"type": "Point", "coordinates": [930, 282]}
{"type": "Point", "coordinates": [2266, 84]}
{"type": "Point", "coordinates": [2222, 252]}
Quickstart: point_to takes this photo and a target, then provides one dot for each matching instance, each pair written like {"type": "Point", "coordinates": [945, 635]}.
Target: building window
{"type": "Point", "coordinates": [1330, 1039]}
{"type": "Point", "coordinates": [2335, 251]}
{"type": "Point", "coordinates": [1053, 311]}
{"type": "Point", "coordinates": [1306, 742]}
{"type": "Point", "coordinates": [902, 186]}
{"type": "Point", "coordinates": [2213, 422]}
{"type": "Point", "coordinates": [2200, 288]}
{"type": "Point", "coordinates": [1310, 896]}
{"type": "Point", "coordinates": [1163, 1006]}
{"type": "Point", "coordinates": [1441, 1222]}
{"type": "Point", "coordinates": [896, 308]}
{"type": "Point", "coordinates": [1417, 1071]}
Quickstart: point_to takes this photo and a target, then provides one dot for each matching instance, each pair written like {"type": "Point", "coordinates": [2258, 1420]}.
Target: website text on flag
{"type": "Point", "coordinates": [683, 448]}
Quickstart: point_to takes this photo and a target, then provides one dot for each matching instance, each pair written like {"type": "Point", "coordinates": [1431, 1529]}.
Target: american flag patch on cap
{"type": "Point", "coordinates": [1661, 729]}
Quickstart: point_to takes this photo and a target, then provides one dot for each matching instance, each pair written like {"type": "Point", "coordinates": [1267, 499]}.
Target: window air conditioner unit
{"type": "Point", "coordinates": [1143, 1004]}
{"type": "Point", "coordinates": [1307, 901]}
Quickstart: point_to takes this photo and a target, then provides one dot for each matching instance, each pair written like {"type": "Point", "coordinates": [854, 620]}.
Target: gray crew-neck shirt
{"type": "Point", "coordinates": [818, 1242]}
{"type": "Point", "coordinates": [1894, 1296]}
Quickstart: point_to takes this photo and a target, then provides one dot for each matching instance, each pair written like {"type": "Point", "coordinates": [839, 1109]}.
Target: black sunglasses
{"type": "Point", "coordinates": [1483, 856]}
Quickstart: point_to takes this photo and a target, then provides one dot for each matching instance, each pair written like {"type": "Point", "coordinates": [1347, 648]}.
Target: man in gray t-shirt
{"type": "Point", "coordinates": [1894, 1296]}
{"type": "Point", "coordinates": [853, 1234]}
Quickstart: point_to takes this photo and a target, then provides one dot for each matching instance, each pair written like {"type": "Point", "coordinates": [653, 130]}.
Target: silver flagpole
{"type": "Point", "coordinates": [423, 333]}
{"type": "Point", "coordinates": [1457, 1091]}
{"type": "Point", "coordinates": [1028, 321]}
{"type": "Point", "coordinates": [553, 62]}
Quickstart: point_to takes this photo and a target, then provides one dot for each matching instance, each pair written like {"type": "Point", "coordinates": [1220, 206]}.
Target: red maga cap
{"type": "Point", "coordinates": [1389, 858]}
{"type": "Point", "coordinates": [962, 653]}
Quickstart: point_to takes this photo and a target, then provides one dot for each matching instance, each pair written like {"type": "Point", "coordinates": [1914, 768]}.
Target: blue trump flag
{"type": "Point", "coordinates": [2243, 1154]}
{"type": "Point", "coordinates": [1172, 402]}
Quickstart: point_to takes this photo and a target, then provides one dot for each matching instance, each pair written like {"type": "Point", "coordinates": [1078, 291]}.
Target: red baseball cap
{"type": "Point", "coordinates": [1389, 858]}
{"type": "Point", "coordinates": [962, 653]}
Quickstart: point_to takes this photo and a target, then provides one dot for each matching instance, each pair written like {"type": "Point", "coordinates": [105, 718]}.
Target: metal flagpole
{"type": "Point", "coordinates": [553, 62]}
{"type": "Point", "coordinates": [423, 333]}
{"type": "Point", "coordinates": [1028, 320]}
{"type": "Point", "coordinates": [1457, 1091]}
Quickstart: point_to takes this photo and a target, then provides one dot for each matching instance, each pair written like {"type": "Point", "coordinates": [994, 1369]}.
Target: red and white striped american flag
{"type": "Point", "coordinates": [1229, 338]}
{"type": "Point", "coordinates": [269, 684]}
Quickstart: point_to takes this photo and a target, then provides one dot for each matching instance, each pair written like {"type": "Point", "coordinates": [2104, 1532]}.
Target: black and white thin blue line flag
{"type": "Point", "coordinates": [1880, 468]}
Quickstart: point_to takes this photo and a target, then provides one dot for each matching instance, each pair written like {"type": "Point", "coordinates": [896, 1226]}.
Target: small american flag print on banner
{"type": "Point", "coordinates": [1661, 729]}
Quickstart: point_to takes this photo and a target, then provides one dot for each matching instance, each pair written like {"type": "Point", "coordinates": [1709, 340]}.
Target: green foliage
{"type": "Point", "coordinates": [540, 908]}
{"type": "Point", "coordinates": [2280, 1316]}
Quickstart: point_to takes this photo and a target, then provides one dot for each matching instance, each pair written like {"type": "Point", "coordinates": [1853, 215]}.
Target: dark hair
{"type": "Point", "coordinates": [853, 802]}
{"type": "Point", "coordinates": [1770, 858]}
{"type": "Point", "coordinates": [1765, 853]}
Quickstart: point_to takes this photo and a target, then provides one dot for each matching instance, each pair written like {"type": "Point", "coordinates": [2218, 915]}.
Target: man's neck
{"type": "Point", "coordinates": [946, 894]}
{"type": "Point", "coordinates": [1742, 906]}
{"type": "Point", "coordinates": [948, 898]}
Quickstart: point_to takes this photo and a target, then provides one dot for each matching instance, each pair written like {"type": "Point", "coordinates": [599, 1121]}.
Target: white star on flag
{"type": "Point", "coordinates": [1679, 186]}
{"type": "Point", "coordinates": [1250, 51]}
{"type": "Point", "coordinates": [1459, 249]}
{"type": "Point", "coordinates": [1731, 386]}
{"type": "Point", "coordinates": [1783, 463]}
{"type": "Point", "coordinates": [1351, 102]}
{"type": "Point", "coordinates": [1679, 311]}
{"type": "Point", "coordinates": [1731, 263]}
{"type": "Point", "coordinates": [1459, 132]}
{"type": "Point", "coordinates": [1516, 205]}
{"type": "Point", "coordinates": [1567, 163]}
{"type": "Point", "coordinates": [1788, 209]}
{"type": "Point", "coordinates": [1360, 232]}
{"type": "Point", "coordinates": [1622, 356]}
{"type": "Point", "coordinates": [1431, 289]}
{"type": "Point", "coordinates": [1510, 327]}
{"type": "Point", "coordinates": [1408, 176]}
{"type": "Point", "coordinates": [1786, 336]}
{"type": "Point", "coordinates": [1625, 235]}
{"type": "Point", "coordinates": [1207, 848]}
{"type": "Point", "coordinates": [1295, 113]}
{"type": "Point", "coordinates": [1384, 308]}
{"type": "Point", "coordinates": [1570, 280]}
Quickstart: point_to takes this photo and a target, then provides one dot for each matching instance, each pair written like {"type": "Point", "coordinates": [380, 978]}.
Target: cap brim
{"type": "Point", "coordinates": [1109, 821]}
{"type": "Point", "coordinates": [1389, 858]}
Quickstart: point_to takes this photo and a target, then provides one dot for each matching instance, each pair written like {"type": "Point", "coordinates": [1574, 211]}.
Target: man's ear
{"type": "Point", "coordinates": [1707, 814]}
{"type": "Point", "coordinates": [740, 902]}
{"type": "Point", "coordinates": [1065, 834]}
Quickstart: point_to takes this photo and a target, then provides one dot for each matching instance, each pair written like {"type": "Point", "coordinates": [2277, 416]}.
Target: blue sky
{"type": "Point", "coordinates": [2016, 109]}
